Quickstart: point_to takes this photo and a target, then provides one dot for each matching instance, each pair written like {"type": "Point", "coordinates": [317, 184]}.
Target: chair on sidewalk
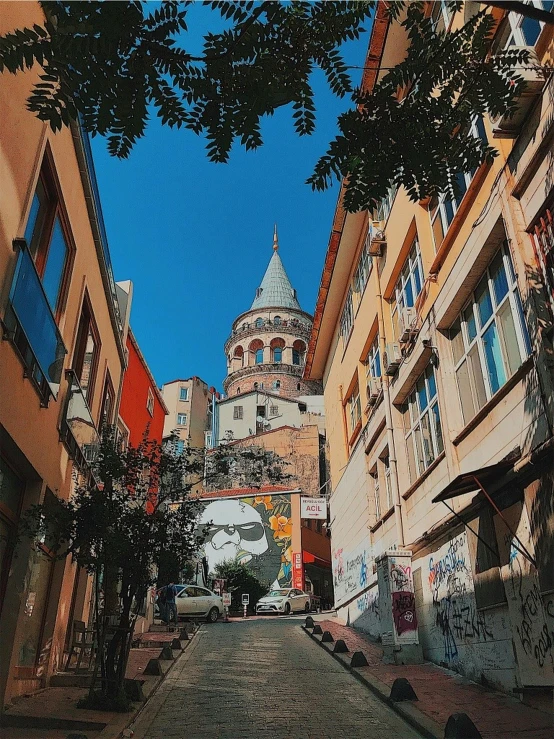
{"type": "Point", "coordinates": [81, 641]}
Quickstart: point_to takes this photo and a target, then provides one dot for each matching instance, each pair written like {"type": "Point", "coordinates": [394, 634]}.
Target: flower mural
{"type": "Point", "coordinates": [264, 500]}
{"type": "Point", "coordinates": [281, 527]}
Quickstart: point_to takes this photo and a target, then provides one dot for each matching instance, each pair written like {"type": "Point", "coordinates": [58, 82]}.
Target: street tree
{"type": "Point", "coordinates": [131, 515]}
{"type": "Point", "coordinates": [116, 64]}
{"type": "Point", "coordinates": [239, 579]}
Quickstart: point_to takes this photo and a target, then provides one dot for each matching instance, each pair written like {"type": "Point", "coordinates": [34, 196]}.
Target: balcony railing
{"type": "Point", "coordinates": [29, 323]}
{"type": "Point", "coordinates": [79, 431]}
{"type": "Point", "coordinates": [291, 326]}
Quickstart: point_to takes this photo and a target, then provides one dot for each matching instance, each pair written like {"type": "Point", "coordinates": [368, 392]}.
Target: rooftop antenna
{"type": "Point", "coordinates": [275, 238]}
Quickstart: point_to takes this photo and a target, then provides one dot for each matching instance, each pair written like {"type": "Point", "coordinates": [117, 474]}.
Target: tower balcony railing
{"type": "Point", "coordinates": [31, 327]}
{"type": "Point", "coordinates": [291, 326]}
{"type": "Point", "coordinates": [260, 369]}
{"type": "Point", "coordinates": [78, 429]}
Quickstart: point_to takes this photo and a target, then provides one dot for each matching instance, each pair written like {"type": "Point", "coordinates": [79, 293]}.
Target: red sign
{"type": "Point", "coordinates": [297, 571]}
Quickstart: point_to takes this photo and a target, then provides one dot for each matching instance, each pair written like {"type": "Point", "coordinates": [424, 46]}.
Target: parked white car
{"type": "Point", "coordinates": [284, 600]}
{"type": "Point", "coordinates": [194, 601]}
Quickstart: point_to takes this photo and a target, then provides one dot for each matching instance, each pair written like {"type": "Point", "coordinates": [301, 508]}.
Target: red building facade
{"type": "Point", "coordinates": [141, 405]}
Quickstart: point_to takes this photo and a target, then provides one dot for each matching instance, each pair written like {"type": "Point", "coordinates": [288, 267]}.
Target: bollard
{"type": "Point", "coordinates": [460, 726]}
{"type": "Point", "coordinates": [166, 653]}
{"type": "Point", "coordinates": [153, 668]}
{"type": "Point", "coordinates": [340, 647]}
{"type": "Point", "coordinates": [309, 622]}
{"type": "Point", "coordinates": [402, 691]}
{"type": "Point", "coordinates": [358, 660]}
{"type": "Point", "coordinates": [133, 690]}
{"type": "Point", "coordinates": [327, 637]}
{"type": "Point", "coordinates": [176, 644]}
{"type": "Point", "coordinates": [317, 629]}
{"type": "Point", "coordinates": [244, 612]}
{"type": "Point", "coordinates": [183, 635]}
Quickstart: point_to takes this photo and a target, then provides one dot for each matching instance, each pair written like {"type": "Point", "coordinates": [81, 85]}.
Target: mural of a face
{"type": "Point", "coordinates": [235, 531]}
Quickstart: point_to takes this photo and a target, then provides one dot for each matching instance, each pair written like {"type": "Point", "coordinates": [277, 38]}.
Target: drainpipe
{"type": "Point", "coordinates": [388, 415]}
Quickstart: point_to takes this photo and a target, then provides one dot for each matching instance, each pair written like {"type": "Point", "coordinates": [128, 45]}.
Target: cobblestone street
{"type": "Point", "coordinates": [264, 677]}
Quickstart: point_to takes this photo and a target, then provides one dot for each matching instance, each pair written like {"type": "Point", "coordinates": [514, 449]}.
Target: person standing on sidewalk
{"type": "Point", "coordinates": [170, 605]}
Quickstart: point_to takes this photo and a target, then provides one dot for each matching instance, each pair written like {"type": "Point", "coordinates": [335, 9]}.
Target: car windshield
{"type": "Point", "coordinates": [278, 592]}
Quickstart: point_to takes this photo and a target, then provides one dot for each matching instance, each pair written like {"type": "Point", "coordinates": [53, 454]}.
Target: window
{"type": "Point", "coordinates": [255, 386]}
{"type": "Point", "coordinates": [179, 448]}
{"type": "Point", "coordinates": [237, 412]}
{"type": "Point", "coordinates": [277, 354]}
{"type": "Point", "coordinates": [181, 419]}
{"type": "Point", "coordinates": [277, 320]}
{"type": "Point", "coordinates": [183, 393]}
{"type": "Point", "coordinates": [87, 350]}
{"type": "Point", "coordinates": [376, 492]}
{"type": "Point", "coordinates": [385, 206]}
{"type": "Point", "coordinates": [259, 356]}
{"type": "Point", "coordinates": [122, 436]}
{"type": "Point", "coordinates": [521, 31]}
{"type": "Point", "coordinates": [46, 238]}
{"type": "Point", "coordinates": [150, 402]}
{"type": "Point", "coordinates": [298, 351]}
{"type": "Point", "coordinates": [408, 286]}
{"type": "Point", "coordinates": [238, 391]}
{"type": "Point", "coordinates": [361, 275]}
{"type": "Point", "coordinates": [274, 410]}
{"type": "Point", "coordinates": [373, 360]}
{"type": "Point", "coordinates": [298, 386]}
{"type": "Point", "coordinates": [441, 15]}
{"type": "Point", "coordinates": [443, 209]}
{"type": "Point", "coordinates": [12, 490]}
{"type": "Point", "coordinates": [295, 356]}
{"type": "Point", "coordinates": [347, 317]}
{"type": "Point", "coordinates": [276, 385]}
{"type": "Point", "coordinates": [544, 240]}
{"type": "Point", "coordinates": [107, 406]}
{"type": "Point", "coordinates": [489, 339]}
{"type": "Point", "coordinates": [388, 485]}
{"type": "Point", "coordinates": [354, 410]}
{"type": "Point", "coordinates": [422, 424]}
{"type": "Point", "coordinates": [259, 322]}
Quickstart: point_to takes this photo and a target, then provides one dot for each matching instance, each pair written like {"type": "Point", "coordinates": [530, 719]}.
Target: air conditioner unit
{"type": "Point", "coordinates": [376, 240]}
{"type": "Point", "coordinates": [508, 126]}
{"type": "Point", "coordinates": [374, 385]}
{"type": "Point", "coordinates": [392, 359]}
{"type": "Point", "coordinates": [407, 321]}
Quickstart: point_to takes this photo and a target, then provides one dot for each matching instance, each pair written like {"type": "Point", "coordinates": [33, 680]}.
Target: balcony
{"type": "Point", "coordinates": [31, 327]}
{"type": "Point", "coordinates": [261, 369]}
{"type": "Point", "coordinates": [78, 429]}
{"type": "Point", "coordinates": [292, 327]}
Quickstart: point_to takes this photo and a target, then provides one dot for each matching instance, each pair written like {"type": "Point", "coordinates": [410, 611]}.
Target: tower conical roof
{"type": "Point", "coordinates": [275, 290]}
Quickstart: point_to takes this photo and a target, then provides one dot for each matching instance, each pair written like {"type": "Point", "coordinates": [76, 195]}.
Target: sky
{"type": "Point", "coordinates": [195, 237]}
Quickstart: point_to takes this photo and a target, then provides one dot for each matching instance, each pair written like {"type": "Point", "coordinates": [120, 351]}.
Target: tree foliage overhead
{"type": "Point", "coordinates": [115, 64]}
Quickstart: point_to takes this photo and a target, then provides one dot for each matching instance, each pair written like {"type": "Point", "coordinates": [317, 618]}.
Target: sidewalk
{"type": "Point", "coordinates": [442, 692]}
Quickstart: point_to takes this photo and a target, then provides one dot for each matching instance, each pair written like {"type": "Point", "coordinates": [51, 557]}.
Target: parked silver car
{"type": "Point", "coordinates": [284, 600]}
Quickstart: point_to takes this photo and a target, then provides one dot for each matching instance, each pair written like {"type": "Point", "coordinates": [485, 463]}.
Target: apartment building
{"type": "Point", "coordinates": [433, 337]}
{"type": "Point", "coordinates": [61, 364]}
{"type": "Point", "coordinates": [189, 405]}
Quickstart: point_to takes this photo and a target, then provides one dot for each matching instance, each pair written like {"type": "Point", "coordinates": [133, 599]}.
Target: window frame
{"type": "Point", "coordinates": [412, 266]}
{"type": "Point", "coordinates": [273, 410]}
{"type": "Point", "coordinates": [39, 241]}
{"type": "Point", "coordinates": [80, 349]}
{"type": "Point", "coordinates": [373, 360]}
{"type": "Point", "coordinates": [259, 357]}
{"type": "Point", "coordinates": [413, 411]}
{"type": "Point", "coordinates": [184, 390]}
{"type": "Point", "coordinates": [238, 412]}
{"type": "Point", "coordinates": [512, 26]}
{"type": "Point", "coordinates": [363, 271]}
{"type": "Point", "coordinates": [354, 410]}
{"type": "Point", "coordinates": [474, 347]}
{"type": "Point", "coordinates": [543, 238]}
{"type": "Point", "coordinates": [347, 316]}
{"type": "Point", "coordinates": [374, 474]}
{"type": "Point", "coordinates": [150, 402]}
{"type": "Point", "coordinates": [108, 393]}
{"type": "Point", "coordinates": [182, 415]}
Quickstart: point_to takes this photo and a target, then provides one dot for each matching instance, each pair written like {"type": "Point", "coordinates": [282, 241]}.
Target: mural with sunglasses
{"type": "Point", "coordinates": [256, 531]}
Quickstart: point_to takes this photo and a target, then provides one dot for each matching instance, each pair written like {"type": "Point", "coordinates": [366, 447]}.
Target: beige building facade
{"type": "Point", "coordinates": [189, 405]}
{"type": "Point", "coordinates": [62, 359]}
{"type": "Point", "coordinates": [433, 338]}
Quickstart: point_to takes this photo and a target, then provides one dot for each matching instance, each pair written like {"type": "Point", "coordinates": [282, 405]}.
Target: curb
{"type": "Point", "coordinates": [115, 731]}
{"type": "Point", "coordinates": [412, 715]}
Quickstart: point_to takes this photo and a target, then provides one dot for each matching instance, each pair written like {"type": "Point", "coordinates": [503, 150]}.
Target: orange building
{"type": "Point", "coordinates": [61, 364]}
{"type": "Point", "coordinates": [142, 407]}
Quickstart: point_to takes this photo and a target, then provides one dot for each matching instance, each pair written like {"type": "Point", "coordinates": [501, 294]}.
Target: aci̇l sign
{"type": "Point", "coordinates": [313, 508]}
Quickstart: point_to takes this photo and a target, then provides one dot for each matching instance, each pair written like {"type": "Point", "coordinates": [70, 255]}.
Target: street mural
{"type": "Point", "coordinates": [256, 531]}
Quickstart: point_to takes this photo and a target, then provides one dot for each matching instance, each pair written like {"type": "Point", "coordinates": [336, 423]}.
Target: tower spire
{"type": "Point", "coordinates": [275, 239]}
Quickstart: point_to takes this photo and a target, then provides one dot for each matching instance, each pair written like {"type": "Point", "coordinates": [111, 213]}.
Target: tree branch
{"type": "Point", "coordinates": [529, 11]}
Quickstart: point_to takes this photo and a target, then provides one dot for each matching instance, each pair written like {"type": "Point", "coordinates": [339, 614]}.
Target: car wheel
{"type": "Point", "coordinates": [213, 615]}
{"type": "Point", "coordinates": [307, 609]}
{"type": "Point", "coordinates": [287, 609]}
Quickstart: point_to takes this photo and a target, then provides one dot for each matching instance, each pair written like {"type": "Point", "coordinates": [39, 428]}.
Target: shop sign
{"type": "Point", "coordinates": [313, 508]}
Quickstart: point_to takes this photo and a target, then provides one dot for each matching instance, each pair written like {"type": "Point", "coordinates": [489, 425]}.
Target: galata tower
{"type": "Point", "coordinates": [267, 346]}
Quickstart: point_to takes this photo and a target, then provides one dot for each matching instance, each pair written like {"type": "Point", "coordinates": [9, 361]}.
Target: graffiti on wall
{"type": "Point", "coordinates": [350, 572]}
{"type": "Point", "coordinates": [256, 531]}
{"type": "Point", "coordinates": [402, 593]}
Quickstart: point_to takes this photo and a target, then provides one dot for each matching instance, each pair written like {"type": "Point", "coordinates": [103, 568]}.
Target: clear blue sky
{"type": "Point", "coordinates": [195, 237]}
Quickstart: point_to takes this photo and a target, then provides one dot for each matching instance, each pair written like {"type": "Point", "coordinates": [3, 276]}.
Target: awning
{"type": "Point", "coordinates": [308, 558]}
{"type": "Point", "coordinates": [467, 482]}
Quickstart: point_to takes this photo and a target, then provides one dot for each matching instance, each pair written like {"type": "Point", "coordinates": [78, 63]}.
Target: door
{"type": "Point", "coordinates": [204, 600]}
{"type": "Point", "coordinates": [298, 601]}
{"type": "Point", "coordinates": [187, 602]}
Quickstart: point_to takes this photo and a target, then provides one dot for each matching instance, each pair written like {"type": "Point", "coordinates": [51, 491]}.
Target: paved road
{"type": "Point", "coordinates": [264, 678]}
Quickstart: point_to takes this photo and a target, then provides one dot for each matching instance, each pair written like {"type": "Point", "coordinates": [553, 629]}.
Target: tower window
{"type": "Point", "coordinates": [277, 320]}
{"type": "Point", "coordinates": [259, 322]}
{"type": "Point", "coordinates": [295, 356]}
{"type": "Point", "coordinates": [277, 354]}
{"type": "Point", "coordinates": [260, 356]}
{"type": "Point", "coordinates": [255, 386]}
{"type": "Point", "coordinates": [276, 385]}
{"type": "Point", "coordinates": [298, 386]}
